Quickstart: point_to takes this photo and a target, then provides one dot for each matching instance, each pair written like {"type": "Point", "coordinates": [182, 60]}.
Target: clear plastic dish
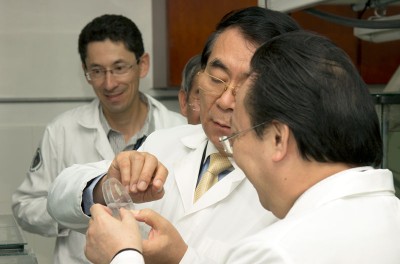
{"type": "Point", "coordinates": [116, 196]}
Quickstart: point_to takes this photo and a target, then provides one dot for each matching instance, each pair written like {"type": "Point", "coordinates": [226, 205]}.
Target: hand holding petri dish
{"type": "Point", "coordinates": [116, 196]}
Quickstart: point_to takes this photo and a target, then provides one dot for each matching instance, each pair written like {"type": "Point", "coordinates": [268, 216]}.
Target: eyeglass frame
{"type": "Point", "coordinates": [195, 107]}
{"type": "Point", "coordinates": [227, 142]}
{"type": "Point", "coordinates": [226, 85]}
{"type": "Point", "coordinates": [104, 72]}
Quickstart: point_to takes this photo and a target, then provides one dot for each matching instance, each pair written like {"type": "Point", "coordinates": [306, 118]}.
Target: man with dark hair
{"type": "Point", "coordinates": [120, 118]}
{"type": "Point", "coordinates": [189, 93]}
{"type": "Point", "coordinates": [207, 197]}
{"type": "Point", "coordinates": [306, 134]}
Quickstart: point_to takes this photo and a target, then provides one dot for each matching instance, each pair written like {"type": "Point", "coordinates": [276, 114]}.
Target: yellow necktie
{"type": "Point", "coordinates": [218, 164]}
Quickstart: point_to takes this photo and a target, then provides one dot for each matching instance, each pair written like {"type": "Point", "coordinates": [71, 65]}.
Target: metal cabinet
{"type": "Point", "coordinates": [388, 109]}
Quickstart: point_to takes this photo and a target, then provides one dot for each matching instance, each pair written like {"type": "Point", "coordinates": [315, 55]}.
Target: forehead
{"type": "Point", "coordinates": [231, 52]}
{"type": "Point", "coordinates": [107, 52]}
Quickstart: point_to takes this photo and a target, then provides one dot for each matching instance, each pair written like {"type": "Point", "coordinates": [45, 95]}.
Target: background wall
{"type": "Point", "coordinates": [38, 39]}
{"type": "Point", "coordinates": [41, 76]}
{"type": "Point", "coordinates": [190, 22]}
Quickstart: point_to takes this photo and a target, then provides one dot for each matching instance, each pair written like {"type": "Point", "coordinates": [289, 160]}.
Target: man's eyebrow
{"type": "Point", "coordinates": [217, 63]}
{"type": "Point", "coordinates": [96, 65]}
{"type": "Point", "coordinates": [119, 61]}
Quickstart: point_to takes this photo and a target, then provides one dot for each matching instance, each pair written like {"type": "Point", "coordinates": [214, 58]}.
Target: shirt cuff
{"type": "Point", "coordinates": [128, 257]}
{"type": "Point", "coordinates": [87, 196]}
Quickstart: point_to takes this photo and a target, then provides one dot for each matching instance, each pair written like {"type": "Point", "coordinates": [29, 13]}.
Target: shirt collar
{"type": "Point", "coordinates": [148, 127]}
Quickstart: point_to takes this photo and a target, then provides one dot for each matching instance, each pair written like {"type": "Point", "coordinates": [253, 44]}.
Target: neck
{"type": "Point", "coordinates": [304, 177]}
{"type": "Point", "coordinates": [128, 122]}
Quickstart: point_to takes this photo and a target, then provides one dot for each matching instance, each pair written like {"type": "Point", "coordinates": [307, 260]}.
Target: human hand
{"type": "Point", "coordinates": [107, 235]}
{"type": "Point", "coordinates": [164, 244]}
{"type": "Point", "coordinates": [142, 174]}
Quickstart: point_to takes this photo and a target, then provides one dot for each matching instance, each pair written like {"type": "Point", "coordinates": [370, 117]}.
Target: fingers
{"type": "Point", "coordinates": [141, 172]}
{"type": "Point", "coordinates": [127, 217]}
{"type": "Point", "coordinates": [143, 166]}
{"type": "Point", "coordinates": [164, 243]}
{"type": "Point", "coordinates": [120, 167]}
{"type": "Point", "coordinates": [151, 218]}
{"type": "Point", "coordinates": [107, 235]}
{"type": "Point", "coordinates": [98, 210]}
{"type": "Point", "coordinates": [132, 228]}
{"type": "Point", "coordinates": [160, 178]}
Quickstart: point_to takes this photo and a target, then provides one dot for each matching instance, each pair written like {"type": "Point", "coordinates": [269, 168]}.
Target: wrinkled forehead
{"type": "Point", "coordinates": [231, 53]}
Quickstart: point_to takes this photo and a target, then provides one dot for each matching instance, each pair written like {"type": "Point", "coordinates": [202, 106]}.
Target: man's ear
{"type": "Point", "coordinates": [281, 140]}
{"type": "Point", "coordinates": [84, 72]}
{"type": "Point", "coordinates": [182, 102]}
{"type": "Point", "coordinates": [144, 65]}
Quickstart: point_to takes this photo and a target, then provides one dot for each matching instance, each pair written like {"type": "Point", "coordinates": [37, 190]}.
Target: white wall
{"type": "Point", "coordinates": [39, 60]}
{"type": "Point", "coordinates": [38, 44]}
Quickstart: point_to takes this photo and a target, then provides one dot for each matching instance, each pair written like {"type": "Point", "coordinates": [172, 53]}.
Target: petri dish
{"type": "Point", "coordinates": [116, 196]}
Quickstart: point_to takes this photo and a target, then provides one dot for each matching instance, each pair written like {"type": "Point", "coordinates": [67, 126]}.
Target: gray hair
{"type": "Point", "coordinates": [189, 72]}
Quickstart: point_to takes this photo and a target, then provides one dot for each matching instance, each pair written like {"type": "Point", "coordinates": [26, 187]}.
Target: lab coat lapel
{"type": "Point", "coordinates": [220, 190]}
{"type": "Point", "coordinates": [103, 146]}
{"type": "Point", "coordinates": [186, 171]}
{"type": "Point", "coordinates": [91, 122]}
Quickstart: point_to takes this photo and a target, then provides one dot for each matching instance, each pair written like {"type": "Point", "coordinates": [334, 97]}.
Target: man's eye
{"type": "Point", "coordinates": [96, 71]}
{"type": "Point", "coordinates": [119, 68]}
{"type": "Point", "coordinates": [216, 80]}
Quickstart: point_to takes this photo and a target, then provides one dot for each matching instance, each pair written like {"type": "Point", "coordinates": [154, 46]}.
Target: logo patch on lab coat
{"type": "Point", "coordinates": [37, 161]}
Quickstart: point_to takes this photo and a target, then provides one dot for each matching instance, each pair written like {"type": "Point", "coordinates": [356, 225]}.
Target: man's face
{"type": "Point", "coordinates": [249, 151]}
{"type": "Point", "coordinates": [229, 61]}
{"type": "Point", "coordinates": [117, 92]}
{"type": "Point", "coordinates": [193, 104]}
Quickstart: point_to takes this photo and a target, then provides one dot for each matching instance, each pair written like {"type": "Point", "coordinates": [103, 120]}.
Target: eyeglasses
{"type": "Point", "coordinates": [227, 141]}
{"type": "Point", "coordinates": [195, 106]}
{"type": "Point", "coordinates": [98, 74]}
{"type": "Point", "coordinates": [215, 86]}
{"type": "Point", "coordinates": [194, 101]}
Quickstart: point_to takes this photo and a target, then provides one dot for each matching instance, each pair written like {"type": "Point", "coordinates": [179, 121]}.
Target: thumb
{"type": "Point", "coordinates": [151, 218]}
{"type": "Point", "coordinates": [127, 217]}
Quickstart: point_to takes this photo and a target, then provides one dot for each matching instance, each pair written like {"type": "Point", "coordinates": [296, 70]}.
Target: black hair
{"type": "Point", "coordinates": [305, 81]}
{"type": "Point", "coordinates": [257, 25]}
{"type": "Point", "coordinates": [116, 28]}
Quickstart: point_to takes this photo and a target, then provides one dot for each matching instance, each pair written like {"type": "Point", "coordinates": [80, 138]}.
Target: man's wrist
{"type": "Point", "coordinates": [98, 192]}
{"type": "Point", "coordinates": [126, 249]}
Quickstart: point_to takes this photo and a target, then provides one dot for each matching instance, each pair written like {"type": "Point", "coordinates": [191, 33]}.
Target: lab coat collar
{"type": "Point", "coordinates": [346, 183]}
{"type": "Point", "coordinates": [196, 140]}
{"type": "Point", "coordinates": [190, 166]}
{"type": "Point", "coordinates": [90, 117]}
{"type": "Point", "coordinates": [90, 120]}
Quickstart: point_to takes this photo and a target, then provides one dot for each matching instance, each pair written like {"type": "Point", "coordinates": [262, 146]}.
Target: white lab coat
{"type": "Point", "coordinates": [75, 136]}
{"type": "Point", "coordinates": [228, 212]}
{"type": "Point", "coordinates": [350, 217]}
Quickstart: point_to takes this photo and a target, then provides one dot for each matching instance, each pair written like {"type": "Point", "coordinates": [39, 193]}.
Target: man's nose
{"type": "Point", "coordinates": [109, 79]}
{"type": "Point", "coordinates": [227, 99]}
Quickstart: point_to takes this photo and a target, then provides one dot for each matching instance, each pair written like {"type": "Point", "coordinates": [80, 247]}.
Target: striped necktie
{"type": "Point", "coordinates": [218, 164]}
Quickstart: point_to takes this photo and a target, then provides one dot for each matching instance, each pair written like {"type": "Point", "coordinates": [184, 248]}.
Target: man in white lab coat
{"type": "Point", "coordinates": [307, 136]}
{"type": "Point", "coordinates": [120, 118]}
{"type": "Point", "coordinates": [229, 210]}
{"type": "Point", "coordinates": [189, 93]}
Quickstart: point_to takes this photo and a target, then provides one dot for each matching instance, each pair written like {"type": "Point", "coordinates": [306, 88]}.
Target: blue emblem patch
{"type": "Point", "coordinates": [37, 161]}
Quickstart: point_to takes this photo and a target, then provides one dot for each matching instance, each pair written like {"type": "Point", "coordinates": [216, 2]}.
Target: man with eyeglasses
{"type": "Point", "coordinates": [306, 134]}
{"type": "Point", "coordinates": [189, 93]}
{"type": "Point", "coordinates": [120, 118]}
{"type": "Point", "coordinates": [208, 220]}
